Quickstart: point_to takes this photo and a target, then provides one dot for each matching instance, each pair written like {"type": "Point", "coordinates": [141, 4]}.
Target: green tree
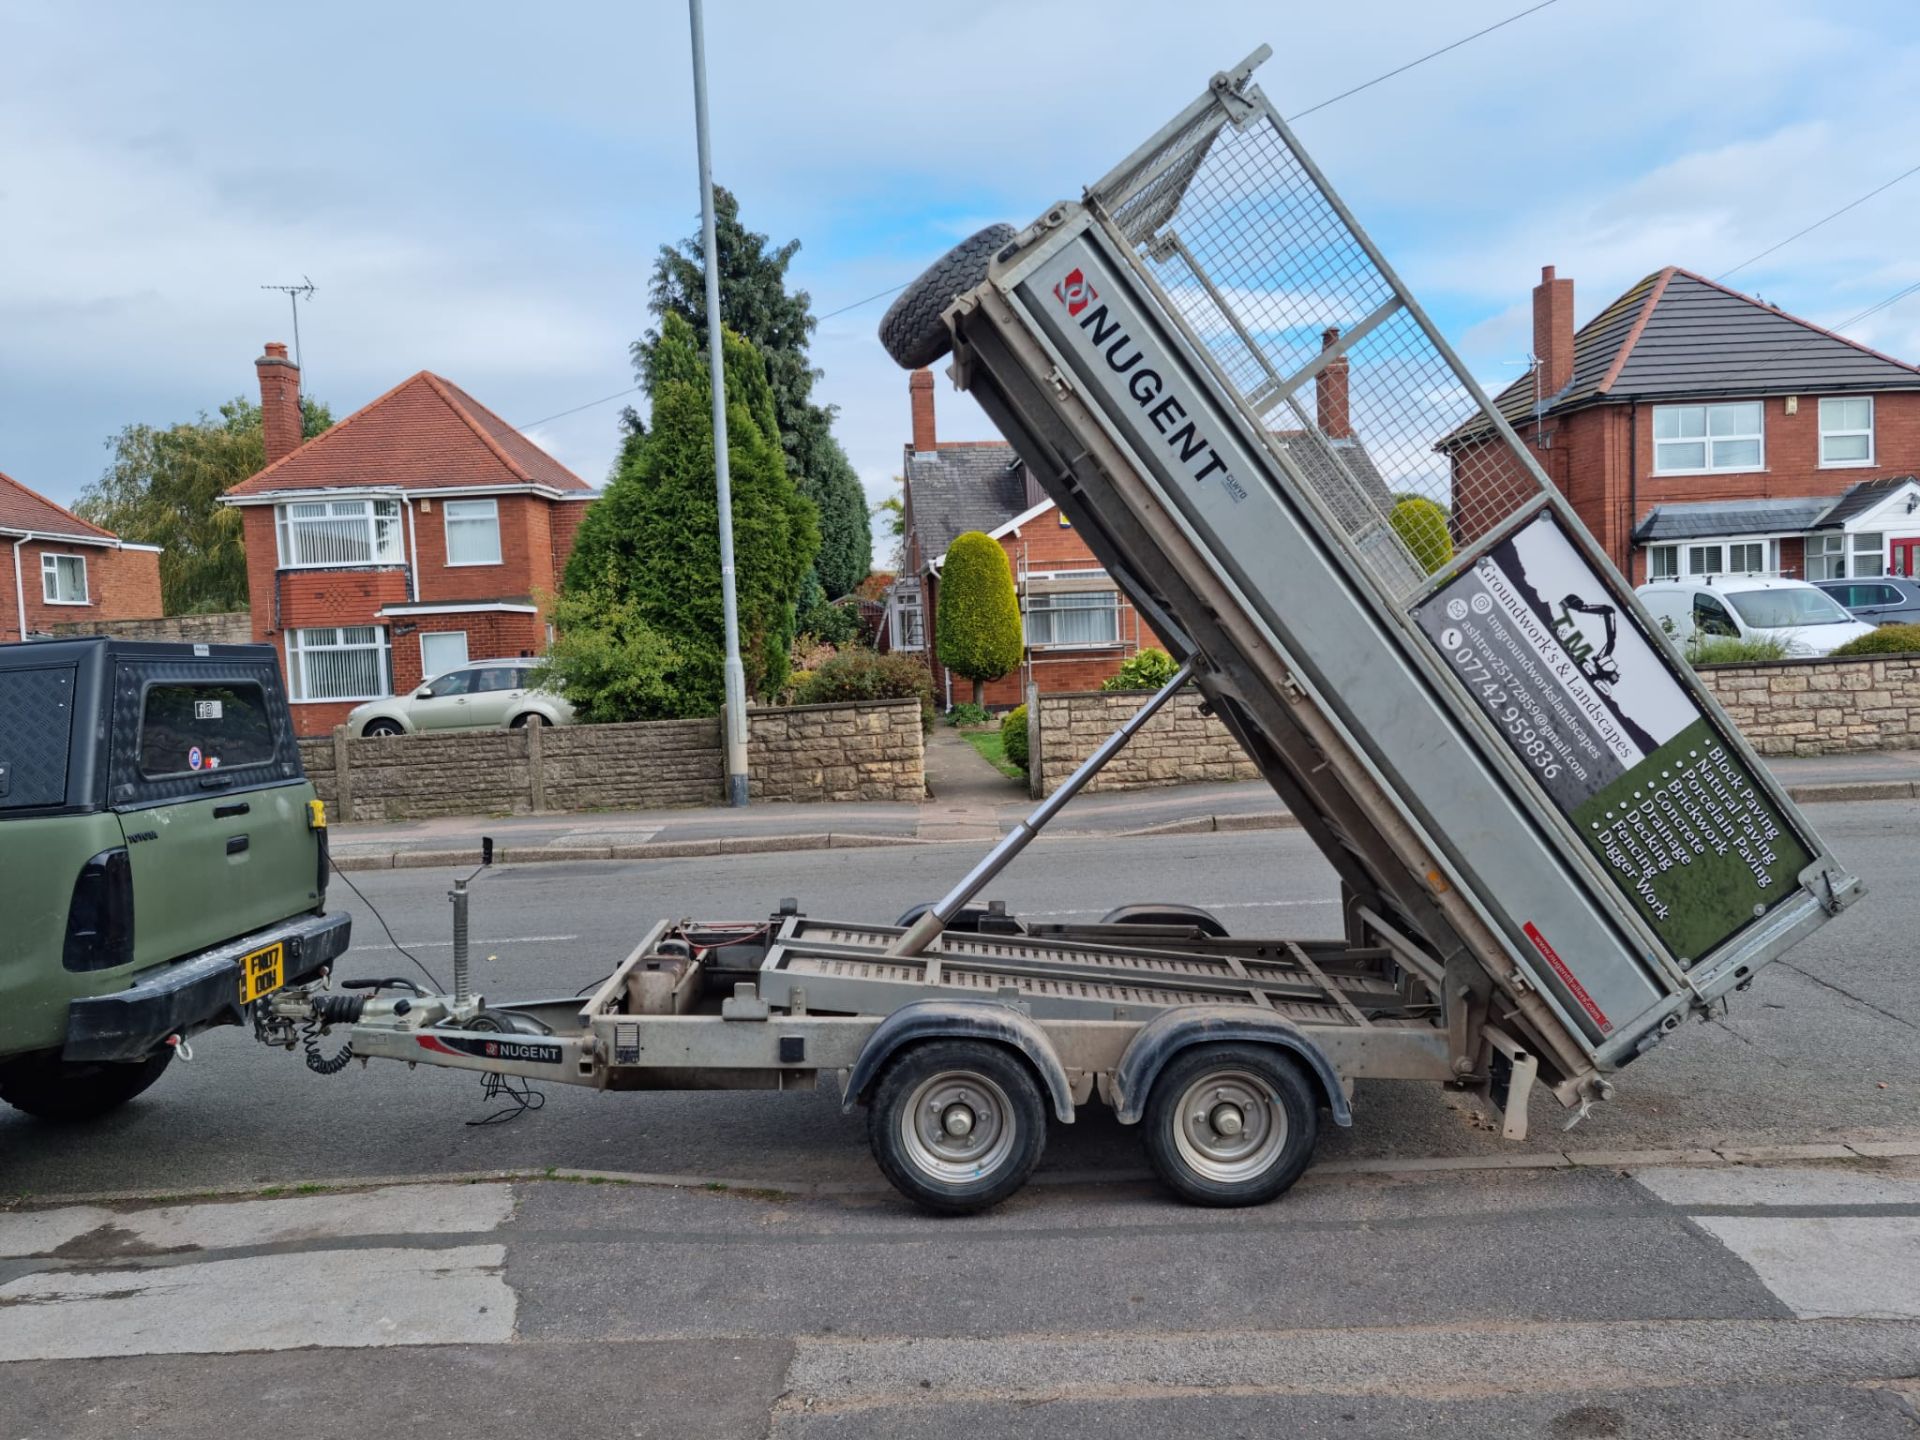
{"type": "Point", "coordinates": [756, 304]}
{"type": "Point", "coordinates": [163, 487]}
{"type": "Point", "coordinates": [609, 663]}
{"type": "Point", "coordinates": [891, 517]}
{"type": "Point", "coordinates": [978, 627]}
{"type": "Point", "coordinates": [1422, 527]}
{"type": "Point", "coordinates": [652, 540]}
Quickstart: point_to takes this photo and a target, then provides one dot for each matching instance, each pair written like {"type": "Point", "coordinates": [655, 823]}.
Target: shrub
{"type": "Point", "coordinates": [855, 675]}
{"type": "Point", "coordinates": [1013, 736]}
{"type": "Point", "coordinates": [1147, 670]}
{"type": "Point", "coordinates": [1727, 650]}
{"type": "Point", "coordinates": [608, 662]}
{"type": "Point", "coordinates": [1887, 640]}
{"type": "Point", "coordinates": [826, 622]}
{"type": "Point", "coordinates": [1422, 528]}
{"type": "Point", "coordinates": [978, 626]}
{"type": "Point", "coordinates": [968, 714]}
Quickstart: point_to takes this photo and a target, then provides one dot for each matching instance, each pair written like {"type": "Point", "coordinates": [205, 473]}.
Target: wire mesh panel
{"type": "Point", "coordinates": [1365, 407]}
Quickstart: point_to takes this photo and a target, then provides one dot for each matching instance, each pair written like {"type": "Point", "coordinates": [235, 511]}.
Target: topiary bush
{"type": "Point", "coordinates": [1422, 528]}
{"type": "Point", "coordinates": [978, 629]}
{"type": "Point", "coordinates": [855, 675]}
{"type": "Point", "coordinates": [1146, 670]}
{"type": "Point", "coordinates": [1013, 736]}
{"type": "Point", "coordinates": [1887, 640]}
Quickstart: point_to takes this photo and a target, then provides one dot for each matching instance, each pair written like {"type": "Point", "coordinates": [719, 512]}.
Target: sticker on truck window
{"type": "Point", "coordinates": [1587, 702]}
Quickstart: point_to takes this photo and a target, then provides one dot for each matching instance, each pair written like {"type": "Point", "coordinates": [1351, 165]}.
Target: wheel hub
{"type": "Point", "coordinates": [958, 1121]}
{"type": "Point", "coordinates": [958, 1126]}
{"type": "Point", "coordinates": [1230, 1128]}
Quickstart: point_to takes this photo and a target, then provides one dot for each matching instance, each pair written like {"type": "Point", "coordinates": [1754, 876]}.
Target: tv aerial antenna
{"type": "Point", "coordinates": [295, 294]}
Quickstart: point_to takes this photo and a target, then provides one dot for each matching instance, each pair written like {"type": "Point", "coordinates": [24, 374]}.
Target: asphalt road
{"type": "Point", "coordinates": [1825, 1045]}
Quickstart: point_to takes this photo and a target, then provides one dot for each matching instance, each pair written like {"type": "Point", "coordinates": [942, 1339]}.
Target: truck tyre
{"type": "Point", "coordinates": [69, 1090]}
{"type": "Point", "coordinates": [912, 330]}
{"type": "Point", "coordinates": [957, 1125]}
{"type": "Point", "coordinates": [1231, 1124]}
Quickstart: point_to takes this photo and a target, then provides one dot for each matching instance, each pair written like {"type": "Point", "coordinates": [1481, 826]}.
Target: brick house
{"type": "Point", "coordinates": [65, 569]}
{"type": "Point", "coordinates": [1079, 627]}
{"type": "Point", "coordinates": [413, 536]}
{"type": "Point", "coordinates": [1701, 431]}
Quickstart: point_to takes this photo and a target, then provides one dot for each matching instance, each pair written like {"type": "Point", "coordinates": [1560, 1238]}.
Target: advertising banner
{"type": "Point", "coordinates": [1614, 740]}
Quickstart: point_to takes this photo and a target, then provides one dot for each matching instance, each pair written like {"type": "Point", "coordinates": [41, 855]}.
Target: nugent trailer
{"type": "Point", "coordinates": [1552, 845]}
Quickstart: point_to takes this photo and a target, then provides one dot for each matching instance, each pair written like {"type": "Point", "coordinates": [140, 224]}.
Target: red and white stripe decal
{"type": "Point", "coordinates": [428, 1042]}
{"type": "Point", "coordinates": [1560, 968]}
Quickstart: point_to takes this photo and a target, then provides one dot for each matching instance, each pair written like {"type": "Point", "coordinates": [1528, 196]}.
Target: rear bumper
{"type": "Point", "coordinates": [190, 995]}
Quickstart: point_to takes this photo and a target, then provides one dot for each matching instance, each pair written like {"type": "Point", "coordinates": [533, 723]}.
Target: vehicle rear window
{"type": "Point", "coordinates": [188, 728]}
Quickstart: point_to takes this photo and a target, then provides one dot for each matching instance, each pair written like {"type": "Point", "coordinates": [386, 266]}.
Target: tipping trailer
{"type": "Point", "coordinates": [1552, 845]}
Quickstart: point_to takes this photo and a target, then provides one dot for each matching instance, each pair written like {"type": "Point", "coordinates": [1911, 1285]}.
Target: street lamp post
{"type": "Point", "coordinates": [734, 721]}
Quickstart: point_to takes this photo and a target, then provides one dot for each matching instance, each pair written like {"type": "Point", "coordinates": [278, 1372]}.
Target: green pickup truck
{"type": "Point", "coordinates": [163, 861]}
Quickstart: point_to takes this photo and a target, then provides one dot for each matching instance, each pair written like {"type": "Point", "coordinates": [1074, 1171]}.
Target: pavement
{"type": "Point", "coordinates": [968, 800]}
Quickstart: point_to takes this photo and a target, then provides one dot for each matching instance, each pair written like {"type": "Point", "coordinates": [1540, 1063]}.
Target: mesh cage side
{"type": "Point", "coordinates": [1255, 256]}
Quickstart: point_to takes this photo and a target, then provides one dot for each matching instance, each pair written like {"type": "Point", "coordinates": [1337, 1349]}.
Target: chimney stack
{"type": "Point", "coordinates": [920, 386]}
{"type": "Point", "coordinates": [279, 401]}
{"type": "Point", "coordinates": [1330, 392]}
{"type": "Point", "coordinates": [1552, 335]}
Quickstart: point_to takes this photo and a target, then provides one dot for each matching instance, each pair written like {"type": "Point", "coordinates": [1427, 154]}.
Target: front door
{"type": "Point", "coordinates": [1905, 555]}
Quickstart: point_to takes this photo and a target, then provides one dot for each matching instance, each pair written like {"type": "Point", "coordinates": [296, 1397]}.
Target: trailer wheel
{"type": "Point", "coordinates": [1231, 1124]}
{"type": "Point", "coordinates": [957, 1125]}
{"type": "Point", "coordinates": [72, 1090]}
{"type": "Point", "coordinates": [912, 331]}
{"type": "Point", "coordinates": [1167, 913]}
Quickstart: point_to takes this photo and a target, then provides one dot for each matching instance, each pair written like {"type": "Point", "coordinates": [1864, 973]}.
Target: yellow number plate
{"type": "Point", "coordinates": [262, 972]}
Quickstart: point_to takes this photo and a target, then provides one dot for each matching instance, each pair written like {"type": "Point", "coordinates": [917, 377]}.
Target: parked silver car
{"type": "Point", "coordinates": [1881, 600]}
{"type": "Point", "coordinates": [480, 695]}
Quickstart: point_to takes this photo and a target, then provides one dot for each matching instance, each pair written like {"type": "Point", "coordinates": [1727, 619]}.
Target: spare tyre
{"type": "Point", "coordinates": [912, 330]}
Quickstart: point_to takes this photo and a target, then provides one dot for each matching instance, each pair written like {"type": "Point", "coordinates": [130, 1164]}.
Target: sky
{"type": "Point", "coordinates": [481, 190]}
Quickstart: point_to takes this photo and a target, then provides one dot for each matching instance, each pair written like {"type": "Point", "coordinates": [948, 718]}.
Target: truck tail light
{"type": "Point", "coordinates": [100, 919]}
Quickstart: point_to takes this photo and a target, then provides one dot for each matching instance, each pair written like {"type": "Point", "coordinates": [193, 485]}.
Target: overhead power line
{"type": "Point", "coordinates": [1851, 204]}
{"type": "Point", "coordinates": [1330, 100]}
{"type": "Point", "coordinates": [1875, 309]}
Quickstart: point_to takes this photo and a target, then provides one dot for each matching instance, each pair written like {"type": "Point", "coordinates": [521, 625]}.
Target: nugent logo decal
{"type": "Point", "coordinates": [1107, 332]}
{"type": "Point", "coordinates": [530, 1052]}
{"type": "Point", "coordinates": [1075, 293]}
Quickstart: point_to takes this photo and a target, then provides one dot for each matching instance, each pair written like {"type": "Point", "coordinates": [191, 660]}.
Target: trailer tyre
{"type": "Point", "coordinates": [1231, 1124]}
{"type": "Point", "coordinates": [67, 1091]}
{"type": "Point", "coordinates": [912, 331]}
{"type": "Point", "coordinates": [957, 1125]}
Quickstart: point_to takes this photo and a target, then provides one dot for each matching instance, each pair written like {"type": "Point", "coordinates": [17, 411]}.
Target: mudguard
{"type": "Point", "coordinates": [962, 1020]}
{"type": "Point", "coordinates": [1167, 1035]}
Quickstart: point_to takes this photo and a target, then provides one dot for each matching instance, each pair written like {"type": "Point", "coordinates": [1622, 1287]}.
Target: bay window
{"type": "Point", "coordinates": [1067, 618]}
{"type": "Point", "coordinates": [347, 662]}
{"type": "Point", "coordinates": [473, 532]}
{"type": "Point", "coordinates": [1846, 431]}
{"type": "Point", "coordinates": [1704, 439]}
{"type": "Point", "coordinates": [316, 533]}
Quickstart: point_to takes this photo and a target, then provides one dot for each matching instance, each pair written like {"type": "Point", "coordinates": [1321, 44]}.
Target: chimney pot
{"type": "Point", "coordinates": [1552, 334]}
{"type": "Point", "coordinates": [1330, 389]}
{"type": "Point", "coordinates": [279, 401]}
{"type": "Point", "coordinates": [920, 389]}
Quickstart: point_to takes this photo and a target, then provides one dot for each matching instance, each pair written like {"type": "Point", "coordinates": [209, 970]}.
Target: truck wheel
{"type": "Point", "coordinates": [911, 330]}
{"type": "Point", "coordinates": [956, 1125]}
{"type": "Point", "coordinates": [1231, 1124]}
{"type": "Point", "coordinates": [68, 1090]}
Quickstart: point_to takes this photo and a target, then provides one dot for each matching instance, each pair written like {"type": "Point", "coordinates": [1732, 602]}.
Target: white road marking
{"type": "Point", "coordinates": [1692, 1185]}
{"type": "Point", "coordinates": [1830, 1268]}
{"type": "Point", "coordinates": [336, 1298]}
{"type": "Point", "coordinates": [479, 942]}
{"type": "Point", "coordinates": [401, 1210]}
{"type": "Point", "coordinates": [1820, 1267]}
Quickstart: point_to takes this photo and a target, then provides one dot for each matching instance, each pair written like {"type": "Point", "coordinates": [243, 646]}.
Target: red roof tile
{"type": "Point", "coordinates": [24, 509]}
{"type": "Point", "coordinates": [424, 434]}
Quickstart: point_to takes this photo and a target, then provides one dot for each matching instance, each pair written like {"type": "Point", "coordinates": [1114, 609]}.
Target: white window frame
{"type": "Point", "coordinates": [50, 578]}
{"type": "Point", "coordinates": [1043, 601]}
{"type": "Point", "coordinates": [479, 512]}
{"type": "Point", "coordinates": [300, 646]}
{"type": "Point", "coordinates": [428, 672]}
{"type": "Point", "coordinates": [1707, 438]}
{"type": "Point", "coordinates": [1670, 554]}
{"type": "Point", "coordinates": [338, 512]}
{"type": "Point", "coordinates": [1842, 550]}
{"type": "Point", "coordinates": [1689, 555]}
{"type": "Point", "coordinates": [906, 602]}
{"type": "Point", "coordinates": [1836, 432]}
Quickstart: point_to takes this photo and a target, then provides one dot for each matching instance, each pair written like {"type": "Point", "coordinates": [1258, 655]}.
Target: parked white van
{"type": "Point", "coordinates": [1803, 617]}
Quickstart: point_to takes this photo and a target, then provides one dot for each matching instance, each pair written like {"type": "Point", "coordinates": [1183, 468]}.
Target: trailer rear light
{"type": "Point", "coordinates": [100, 918]}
